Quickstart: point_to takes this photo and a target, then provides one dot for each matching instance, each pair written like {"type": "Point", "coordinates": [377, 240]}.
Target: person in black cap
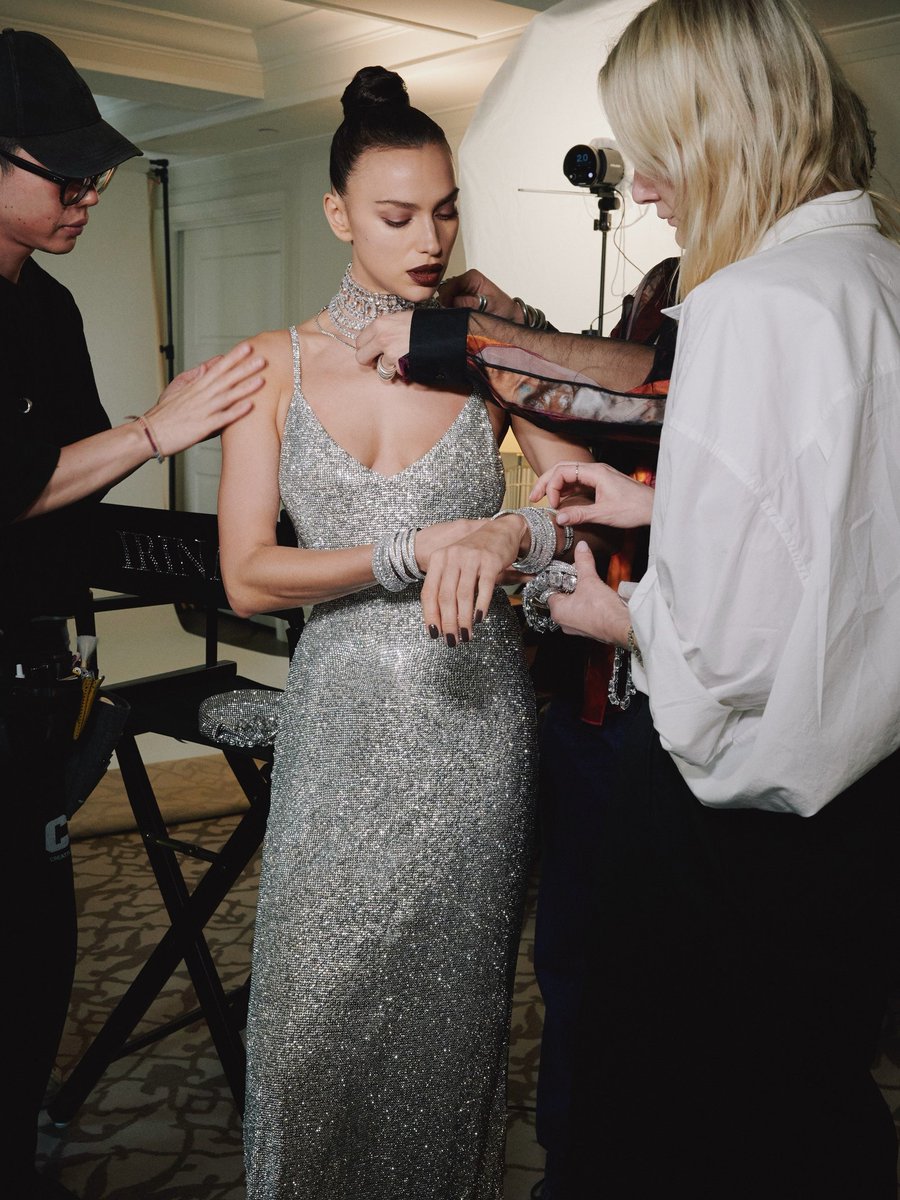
{"type": "Point", "coordinates": [60, 457]}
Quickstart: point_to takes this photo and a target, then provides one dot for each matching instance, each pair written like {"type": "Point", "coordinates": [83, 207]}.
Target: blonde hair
{"type": "Point", "coordinates": [740, 106]}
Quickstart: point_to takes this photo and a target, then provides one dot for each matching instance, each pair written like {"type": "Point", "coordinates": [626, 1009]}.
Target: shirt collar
{"type": "Point", "coordinates": [825, 212]}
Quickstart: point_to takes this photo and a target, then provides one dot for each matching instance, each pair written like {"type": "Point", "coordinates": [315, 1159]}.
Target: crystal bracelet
{"type": "Point", "coordinates": [408, 553]}
{"type": "Point", "coordinates": [619, 691]}
{"type": "Point", "coordinates": [381, 565]}
{"type": "Point", "coordinates": [542, 527]}
{"type": "Point", "coordinates": [557, 577]}
{"type": "Point", "coordinates": [619, 694]}
{"type": "Point", "coordinates": [394, 559]}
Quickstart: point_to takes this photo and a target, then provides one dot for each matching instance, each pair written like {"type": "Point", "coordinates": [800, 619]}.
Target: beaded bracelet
{"type": "Point", "coordinates": [154, 445]}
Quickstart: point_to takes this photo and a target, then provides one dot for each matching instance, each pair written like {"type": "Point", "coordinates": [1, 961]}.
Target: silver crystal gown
{"type": "Point", "coordinates": [395, 858]}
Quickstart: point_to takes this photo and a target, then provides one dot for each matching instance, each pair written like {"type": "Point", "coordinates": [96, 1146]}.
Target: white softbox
{"type": "Point", "coordinates": [524, 225]}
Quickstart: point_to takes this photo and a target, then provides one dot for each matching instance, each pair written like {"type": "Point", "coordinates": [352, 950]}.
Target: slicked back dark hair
{"type": "Point", "coordinates": [377, 116]}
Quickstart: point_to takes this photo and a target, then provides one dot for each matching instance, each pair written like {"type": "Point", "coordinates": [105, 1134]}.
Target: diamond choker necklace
{"type": "Point", "coordinates": [355, 307]}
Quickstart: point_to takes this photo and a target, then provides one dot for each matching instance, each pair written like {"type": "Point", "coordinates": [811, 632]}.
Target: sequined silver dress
{"type": "Point", "coordinates": [395, 858]}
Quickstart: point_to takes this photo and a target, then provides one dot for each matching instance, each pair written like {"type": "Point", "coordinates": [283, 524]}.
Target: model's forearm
{"type": "Point", "coordinates": [266, 578]}
{"type": "Point", "coordinates": [272, 578]}
{"type": "Point", "coordinates": [92, 464]}
{"type": "Point", "coordinates": [613, 364]}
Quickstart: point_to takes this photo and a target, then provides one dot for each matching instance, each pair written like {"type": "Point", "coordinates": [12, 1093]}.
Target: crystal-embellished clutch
{"type": "Point", "coordinates": [243, 718]}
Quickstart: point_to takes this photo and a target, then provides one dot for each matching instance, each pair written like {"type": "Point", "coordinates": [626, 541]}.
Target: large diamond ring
{"type": "Point", "coordinates": [556, 577]}
{"type": "Point", "coordinates": [384, 372]}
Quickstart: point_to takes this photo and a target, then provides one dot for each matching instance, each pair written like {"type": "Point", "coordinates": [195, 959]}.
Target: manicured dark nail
{"type": "Point", "coordinates": [479, 616]}
{"type": "Point", "coordinates": [433, 631]}
{"type": "Point", "coordinates": [464, 635]}
{"type": "Point", "coordinates": [451, 640]}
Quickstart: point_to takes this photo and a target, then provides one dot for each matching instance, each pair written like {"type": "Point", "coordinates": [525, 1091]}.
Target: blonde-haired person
{"type": "Point", "coordinates": [747, 926]}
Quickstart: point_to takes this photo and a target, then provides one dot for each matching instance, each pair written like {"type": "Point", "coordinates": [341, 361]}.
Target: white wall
{"type": "Point", "coordinates": [228, 188]}
{"type": "Point", "coordinates": [109, 273]}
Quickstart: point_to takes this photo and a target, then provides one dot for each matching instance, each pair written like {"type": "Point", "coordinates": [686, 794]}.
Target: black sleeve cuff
{"type": "Point", "coordinates": [437, 347]}
{"type": "Point", "coordinates": [664, 351]}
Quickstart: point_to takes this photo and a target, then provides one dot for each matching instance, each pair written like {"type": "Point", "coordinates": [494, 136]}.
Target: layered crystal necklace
{"type": "Point", "coordinates": [354, 307]}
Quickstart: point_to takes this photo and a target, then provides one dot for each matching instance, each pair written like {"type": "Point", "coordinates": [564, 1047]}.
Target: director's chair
{"type": "Point", "coordinates": [145, 557]}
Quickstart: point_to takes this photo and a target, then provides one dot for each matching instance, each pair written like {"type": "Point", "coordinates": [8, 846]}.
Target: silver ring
{"type": "Point", "coordinates": [482, 303]}
{"type": "Point", "coordinates": [385, 373]}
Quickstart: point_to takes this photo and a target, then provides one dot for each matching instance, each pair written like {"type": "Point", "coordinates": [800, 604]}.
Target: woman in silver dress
{"type": "Point", "coordinates": [399, 839]}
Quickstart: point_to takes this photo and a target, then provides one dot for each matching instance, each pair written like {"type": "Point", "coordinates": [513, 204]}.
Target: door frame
{"type": "Point", "coordinates": [207, 214]}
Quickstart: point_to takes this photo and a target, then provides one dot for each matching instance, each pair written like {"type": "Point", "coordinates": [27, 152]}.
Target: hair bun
{"type": "Point", "coordinates": [371, 87]}
{"type": "Point", "coordinates": [377, 116]}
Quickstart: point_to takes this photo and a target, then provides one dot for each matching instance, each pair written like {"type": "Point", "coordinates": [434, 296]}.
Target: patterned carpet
{"type": "Point", "coordinates": [161, 1125]}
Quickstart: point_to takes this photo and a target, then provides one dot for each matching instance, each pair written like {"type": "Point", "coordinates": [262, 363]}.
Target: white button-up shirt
{"type": "Point", "coordinates": [769, 617]}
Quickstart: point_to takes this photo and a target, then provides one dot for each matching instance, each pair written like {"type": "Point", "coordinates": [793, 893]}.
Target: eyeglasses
{"type": "Point", "coordinates": [71, 191]}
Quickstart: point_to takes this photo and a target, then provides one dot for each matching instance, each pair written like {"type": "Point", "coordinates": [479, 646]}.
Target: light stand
{"type": "Point", "coordinates": [608, 200]}
{"type": "Point", "coordinates": [159, 168]}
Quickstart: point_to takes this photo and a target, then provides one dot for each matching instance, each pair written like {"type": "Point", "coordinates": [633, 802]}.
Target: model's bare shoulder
{"type": "Point", "coordinates": [275, 347]}
{"type": "Point", "coordinates": [317, 340]}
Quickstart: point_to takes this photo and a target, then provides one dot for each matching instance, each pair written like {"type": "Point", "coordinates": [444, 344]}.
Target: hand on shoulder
{"type": "Point", "coordinates": [207, 398]}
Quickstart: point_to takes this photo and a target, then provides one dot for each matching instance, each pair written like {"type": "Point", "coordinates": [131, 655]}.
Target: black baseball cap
{"type": "Point", "coordinates": [48, 109]}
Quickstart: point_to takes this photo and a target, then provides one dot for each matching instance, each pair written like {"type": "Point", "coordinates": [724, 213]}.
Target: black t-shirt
{"type": "Point", "coordinates": [48, 399]}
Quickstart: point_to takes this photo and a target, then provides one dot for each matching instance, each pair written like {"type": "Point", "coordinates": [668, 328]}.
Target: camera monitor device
{"type": "Point", "coordinates": [590, 167]}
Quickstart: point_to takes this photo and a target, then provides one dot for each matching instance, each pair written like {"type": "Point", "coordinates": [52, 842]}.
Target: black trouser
{"type": "Point", "coordinates": [39, 898]}
{"type": "Point", "coordinates": [578, 768]}
{"type": "Point", "coordinates": [741, 968]}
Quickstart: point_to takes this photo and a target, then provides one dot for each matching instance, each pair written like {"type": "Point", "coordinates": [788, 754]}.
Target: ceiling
{"type": "Point", "coordinates": [204, 77]}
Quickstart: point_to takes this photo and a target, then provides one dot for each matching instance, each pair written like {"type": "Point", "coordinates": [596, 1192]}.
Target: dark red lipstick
{"type": "Point", "coordinates": [426, 276]}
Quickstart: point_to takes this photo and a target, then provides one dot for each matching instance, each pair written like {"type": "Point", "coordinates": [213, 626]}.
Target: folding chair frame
{"type": "Point", "coordinates": [158, 557]}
